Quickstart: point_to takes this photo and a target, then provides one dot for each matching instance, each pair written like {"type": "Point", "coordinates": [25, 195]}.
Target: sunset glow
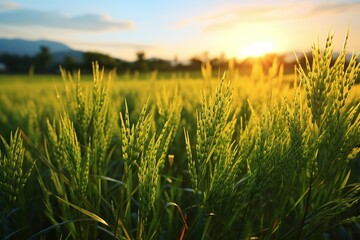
{"type": "Point", "coordinates": [256, 49]}
{"type": "Point", "coordinates": [182, 29]}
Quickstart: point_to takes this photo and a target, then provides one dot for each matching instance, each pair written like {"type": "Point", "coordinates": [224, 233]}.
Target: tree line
{"type": "Point", "coordinates": [44, 63]}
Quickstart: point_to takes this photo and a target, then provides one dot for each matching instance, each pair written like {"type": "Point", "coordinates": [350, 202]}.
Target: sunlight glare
{"type": "Point", "coordinates": [256, 49]}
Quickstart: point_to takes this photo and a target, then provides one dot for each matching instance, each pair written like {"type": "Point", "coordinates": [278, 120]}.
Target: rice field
{"type": "Point", "coordinates": [262, 156]}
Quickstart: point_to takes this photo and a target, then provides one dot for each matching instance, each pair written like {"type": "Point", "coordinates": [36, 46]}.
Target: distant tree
{"type": "Point", "coordinates": [122, 66]}
{"type": "Point", "coordinates": [102, 59]}
{"type": "Point", "coordinates": [140, 56]}
{"type": "Point", "coordinates": [10, 61]}
{"type": "Point", "coordinates": [43, 59]}
{"type": "Point", "coordinates": [195, 63]}
{"type": "Point", "coordinates": [159, 64]}
{"type": "Point", "coordinates": [15, 63]}
{"type": "Point", "coordinates": [141, 63]}
{"type": "Point", "coordinates": [69, 63]}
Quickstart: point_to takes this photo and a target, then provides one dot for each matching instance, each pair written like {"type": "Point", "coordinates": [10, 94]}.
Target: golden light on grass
{"type": "Point", "coordinates": [256, 49]}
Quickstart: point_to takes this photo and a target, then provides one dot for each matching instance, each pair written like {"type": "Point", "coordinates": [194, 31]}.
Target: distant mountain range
{"type": "Point", "coordinates": [30, 48]}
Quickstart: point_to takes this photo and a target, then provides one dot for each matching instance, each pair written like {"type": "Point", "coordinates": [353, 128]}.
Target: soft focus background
{"type": "Point", "coordinates": [174, 31]}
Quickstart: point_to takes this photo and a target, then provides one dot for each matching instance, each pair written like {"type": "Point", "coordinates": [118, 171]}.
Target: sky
{"type": "Point", "coordinates": [183, 28]}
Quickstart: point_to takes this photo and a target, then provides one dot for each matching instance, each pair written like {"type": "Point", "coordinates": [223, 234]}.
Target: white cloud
{"type": "Point", "coordinates": [9, 5]}
{"type": "Point", "coordinates": [88, 22]}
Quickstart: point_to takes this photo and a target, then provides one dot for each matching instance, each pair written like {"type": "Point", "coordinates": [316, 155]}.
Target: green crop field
{"type": "Point", "coordinates": [223, 156]}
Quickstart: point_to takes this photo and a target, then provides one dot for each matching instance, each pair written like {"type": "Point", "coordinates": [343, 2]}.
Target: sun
{"type": "Point", "coordinates": [256, 49]}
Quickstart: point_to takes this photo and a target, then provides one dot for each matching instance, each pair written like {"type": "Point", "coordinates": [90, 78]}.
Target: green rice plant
{"type": "Point", "coordinates": [77, 154]}
{"type": "Point", "coordinates": [283, 163]}
{"type": "Point", "coordinates": [268, 172]}
{"type": "Point", "coordinates": [13, 177]}
{"type": "Point", "coordinates": [89, 110]}
{"type": "Point", "coordinates": [213, 166]}
{"type": "Point", "coordinates": [335, 128]}
{"type": "Point", "coordinates": [67, 153]}
{"type": "Point", "coordinates": [286, 165]}
{"type": "Point", "coordinates": [69, 173]}
{"type": "Point", "coordinates": [134, 138]}
{"type": "Point", "coordinates": [69, 168]}
{"type": "Point", "coordinates": [12, 180]}
{"type": "Point", "coordinates": [144, 153]}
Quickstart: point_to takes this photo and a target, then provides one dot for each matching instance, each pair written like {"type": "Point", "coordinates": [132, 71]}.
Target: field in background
{"type": "Point", "coordinates": [23, 94]}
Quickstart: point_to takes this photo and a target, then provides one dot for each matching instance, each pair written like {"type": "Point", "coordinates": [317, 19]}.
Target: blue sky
{"type": "Point", "coordinates": [181, 28]}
